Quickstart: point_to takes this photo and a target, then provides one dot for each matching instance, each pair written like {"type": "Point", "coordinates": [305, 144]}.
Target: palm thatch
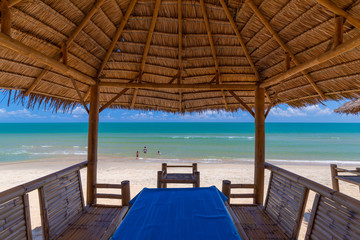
{"type": "Point", "coordinates": [179, 42]}
{"type": "Point", "coordinates": [352, 107]}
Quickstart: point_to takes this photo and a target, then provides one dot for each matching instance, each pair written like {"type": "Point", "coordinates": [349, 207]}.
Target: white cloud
{"type": "Point", "coordinates": [79, 112]}
{"type": "Point", "coordinates": [209, 115]}
{"type": "Point", "coordinates": [313, 110]}
{"type": "Point", "coordinates": [23, 113]}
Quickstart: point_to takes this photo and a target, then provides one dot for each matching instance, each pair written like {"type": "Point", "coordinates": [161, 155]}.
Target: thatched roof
{"type": "Point", "coordinates": [352, 107]}
{"type": "Point", "coordinates": [217, 43]}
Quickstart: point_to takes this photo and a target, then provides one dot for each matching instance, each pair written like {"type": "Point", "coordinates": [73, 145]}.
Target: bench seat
{"type": "Point", "coordinates": [96, 223]}
{"type": "Point", "coordinates": [256, 224]}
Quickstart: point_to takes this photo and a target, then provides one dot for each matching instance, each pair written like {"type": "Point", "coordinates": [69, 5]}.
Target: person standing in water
{"type": "Point", "coordinates": [137, 154]}
{"type": "Point", "coordinates": [145, 150]}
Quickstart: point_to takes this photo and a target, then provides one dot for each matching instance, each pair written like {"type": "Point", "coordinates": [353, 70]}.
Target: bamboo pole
{"type": "Point", "coordinates": [242, 103]}
{"type": "Point", "coordinates": [26, 51]}
{"type": "Point", "coordinates": [335, 9]}
{"type": "Point", "coordinates": [259, 144]}
{"type": "Point", "coordinates": [93, 144]}
{"type": "Point", "coordinates": [226, 189]}
{"type": "Point", "coordinates": [234, 87]}
{"type": "Point", "coordinates": [342, 48]}
{"type": "Point", "coordinates": [180, 29]}
{"type": "Point", "coordinates": [5, 18]}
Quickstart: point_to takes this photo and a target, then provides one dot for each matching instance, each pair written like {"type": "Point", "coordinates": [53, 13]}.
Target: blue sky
{"type": "Point", "coordinates": [282, 113]}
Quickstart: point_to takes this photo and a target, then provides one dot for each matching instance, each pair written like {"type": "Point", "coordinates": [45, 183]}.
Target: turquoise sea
{"type": "Point", "coordinates": [206, 142]}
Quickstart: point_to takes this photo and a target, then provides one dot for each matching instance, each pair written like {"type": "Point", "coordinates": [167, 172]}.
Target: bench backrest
{"type": "Point", "coordinates": [15, 219]}
{"type": "Point", "coordinates": [61, 202]}
{"type": "Point", "coordinates": [332, 220]}
{"type": "Point", "coordinates": [285, 203]}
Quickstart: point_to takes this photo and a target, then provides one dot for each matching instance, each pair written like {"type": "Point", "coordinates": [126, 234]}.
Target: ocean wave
{"type": "Point", "coordinates": [209, 137]}
{"type": "Point", "coordinates": [46, 146]}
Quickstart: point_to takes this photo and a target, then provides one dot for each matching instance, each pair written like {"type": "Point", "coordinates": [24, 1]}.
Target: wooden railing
{"type": "Point", "coordinates": [124, 196]}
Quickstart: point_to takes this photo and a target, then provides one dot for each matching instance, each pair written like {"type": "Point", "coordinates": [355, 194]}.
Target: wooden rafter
{"type": "Point", "coordinates": [213, 51]}
{"type": "Point", "coordinates": [27, 51]}
{"type": "Point", "coordinates": [65, 61]}
{"type": "Point", "coordinates": [67, 44]}
{"type": "Point", "coordinates": [215, 87]}
{"type": "Point", "coordinates": [5, 18]}
{"type": "Point", "coordinates": [284, 46]}
{"type": "Point", "coordinates": [13, 2]}
{"type": "Point", "coordinates": [242, 43]}
{"type": "Point", "coordinates": [339, 31]}
{"type": "Point", "coordinates": [87, 94]}
{"type": "Point", "coordinates": [242, 103]}
{"type": "Point", "coordinates": [146, 48]}
{"type": "Point", "coordinates": [123, 22]}
{"type": "Point", "coordinates": [342, 48]}
{"type": "Point", "coordinates": [180, 38]}
{"type": "Point", "coordinates": [335, 9]}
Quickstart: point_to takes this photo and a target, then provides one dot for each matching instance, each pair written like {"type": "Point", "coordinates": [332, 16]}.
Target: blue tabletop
{"type": "Point", "coordinates": [177, 213]}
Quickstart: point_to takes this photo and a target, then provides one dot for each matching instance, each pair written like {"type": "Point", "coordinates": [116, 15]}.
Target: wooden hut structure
{"type": "Point", "coordinates": [179, 56]}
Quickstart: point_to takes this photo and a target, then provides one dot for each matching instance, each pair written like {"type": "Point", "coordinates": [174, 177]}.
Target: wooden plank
{"type": "Point", "coordinates": [123, 22]}
{"type": "Point", "coordinates": [242, 195]}
{"type": "Point", "coordinates": [106, 195]}
{"type": "Point", "coordinates": [107, 185]}
{"type": "Point", "coordinates": [24, 50]}
{"type": "Point", "coordinates": [242, 185]}
{"type": "Point", "coordinates": [44, 214]}
{"type": "Point", "coordinates": [342, 48]}
{"type": "Point", "coordinates": [79, 94]}
{"type": "Point", "coordinates": [339, 31]}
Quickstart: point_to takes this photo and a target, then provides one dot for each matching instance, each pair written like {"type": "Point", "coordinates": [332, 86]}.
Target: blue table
{"type": "Point", "coordinates": [177, 213]}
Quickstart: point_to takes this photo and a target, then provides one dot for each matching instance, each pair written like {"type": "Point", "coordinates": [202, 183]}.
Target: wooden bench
{"type": "Point", "coordinates": [334, 219]}
{"type": "Point", "coordinates": [187, 178]}
{"type": "Point", "coordinates": [63, 213]}
{"type": "Point", "coordinates": [350, 176]}
{"type": "Point", "coordinates": [279, 218]}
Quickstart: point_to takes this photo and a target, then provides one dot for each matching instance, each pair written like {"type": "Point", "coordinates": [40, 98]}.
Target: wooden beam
{"type": "Point", "coordinates": [213, 51]}
{"type": "Point", "coordinates": [236, 30]}
{"type": "Point", "coordinates": [146, 48]}
{"type": "Point", "coordinates": [335, 9]}
{"type": "Point", "coordinates": [67, 45]}
{"type": "Point", "coordinates": [116, 97]}
{"type": "Point", "coordinates": [123, 22]}
{"type": "Point", "coordinates": [342, 48]}
{"type": "Point", "coordinates": [339, 31]}
{"type": "Point", "coordinates": [21, 48]}
{"type": "Point", "coordinates": [13, 2]}
{"type": "Point", "coordinates": [236, 87]}
{"type": "Point", "coordinates": [93, 144]}
{"type": "Point", "coordinates": [242, 103]}
{"type": "Point", "coordinates": [283, 46]}
{"type": "Point", "coordinates": [79, 94]}
{"type": "Point", "coordinates": [83, 23]}
{"type": "Point", "coordinates": [259, 145]}
{"type": "Point", "coordinates": [180, 51]}
{"type": "Point", "coordinates": [5, 18]}
{"type": "Point", "coordinates": [87, 94]}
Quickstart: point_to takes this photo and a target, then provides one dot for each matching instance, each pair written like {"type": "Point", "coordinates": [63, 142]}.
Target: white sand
{"type": "Point", "coordinates": [143, 174]}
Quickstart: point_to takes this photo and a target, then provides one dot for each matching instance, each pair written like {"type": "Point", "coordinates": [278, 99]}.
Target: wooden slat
{"type": "Point", "coordinates": [5, 17]}
{"type": "Point", "coordinates": [242, 103]}
{"type": "Point", "coordinates": [106, 185]}
{"type": "Point", "coordinates": [242, 195]}
{"type": "Point", "coordinates": [242, 185]}
{"type": "Point", "coordinates": [106, 195]}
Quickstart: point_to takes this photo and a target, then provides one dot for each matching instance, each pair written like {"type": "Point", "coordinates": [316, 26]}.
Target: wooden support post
{"type": "Point", "coordinates": [125, 193]}
{"type": "Point", "coordinates": [226, 189]}
{"type": "Point", "coordinates": [164, 171]}
{"type": "Point", "coordinates": [339, 31]}
{"type": "Point", "coordinates": [5, 18]}
{"type": "Point", "coordinates": [159, 177]}
{"type": "Point", "coordinates": [197, 179]}
{"type": "Point", "coordinates": [334, 173]}
{"type": "Point", "coordinates": [259, 144]}
{"type": "Point", "coordinates": [93, 144]}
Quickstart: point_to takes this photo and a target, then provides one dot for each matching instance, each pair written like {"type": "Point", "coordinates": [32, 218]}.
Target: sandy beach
{"type": "Point", "coordinates": [142, 174]}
